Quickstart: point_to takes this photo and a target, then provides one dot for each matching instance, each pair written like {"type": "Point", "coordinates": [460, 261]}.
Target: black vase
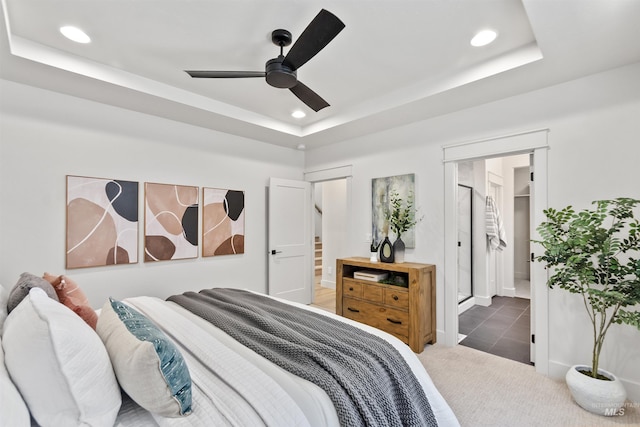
{"type": "Point", "coordinates": [386, 250]}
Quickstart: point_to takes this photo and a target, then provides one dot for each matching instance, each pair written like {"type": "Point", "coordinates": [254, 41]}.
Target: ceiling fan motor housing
{"type": "Point", "coordinates": [279, 75]}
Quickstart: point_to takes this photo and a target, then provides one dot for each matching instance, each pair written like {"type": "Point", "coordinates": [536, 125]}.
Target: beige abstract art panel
{"type": "Point", "coordinates": [102, 222]}
{"type": "Point", "coordinates": [222, 222]}
{"type": "Point", "coordinates": [171, 222]}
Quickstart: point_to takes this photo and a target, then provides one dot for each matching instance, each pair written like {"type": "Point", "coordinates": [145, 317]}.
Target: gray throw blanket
{"type": "Point", "coordinates": [367, 380]}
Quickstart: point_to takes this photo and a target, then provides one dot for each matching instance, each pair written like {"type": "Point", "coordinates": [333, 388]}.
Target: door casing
{"type": "Point", "coordinates": [534, 142]}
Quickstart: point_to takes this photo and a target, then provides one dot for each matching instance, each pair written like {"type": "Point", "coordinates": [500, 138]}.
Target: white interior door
{"type": "Point", "coordinates": [290, 240]}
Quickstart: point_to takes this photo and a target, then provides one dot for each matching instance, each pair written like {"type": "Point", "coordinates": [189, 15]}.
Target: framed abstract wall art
{"type": "Point", "coordinates": [170, 222]}
{"type": "Point", "coordinates": [381, 189]}
{"type": "Point", "coordinates": [222, 222]}
{"type": "Point", "coordinates": [102, 222]}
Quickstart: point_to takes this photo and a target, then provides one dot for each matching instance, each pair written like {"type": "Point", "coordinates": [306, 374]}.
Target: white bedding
{"type": "Point", "coordinates": [232, 385]}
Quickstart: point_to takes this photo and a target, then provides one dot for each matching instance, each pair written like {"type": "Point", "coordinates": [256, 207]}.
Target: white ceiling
{"type": "Point", "coordinates": [396, 61]}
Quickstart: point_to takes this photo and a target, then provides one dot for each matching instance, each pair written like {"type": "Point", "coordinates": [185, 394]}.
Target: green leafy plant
{"type": "Point", "coordinates": [402, 215]}
{"type": "Point", "coordinates": [396, 279]}
{"type": "Point", "coordinates": [594, 253]}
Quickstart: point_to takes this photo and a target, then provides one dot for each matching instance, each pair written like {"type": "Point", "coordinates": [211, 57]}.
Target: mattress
{"type": "Point", "coordinates": [232, 385]}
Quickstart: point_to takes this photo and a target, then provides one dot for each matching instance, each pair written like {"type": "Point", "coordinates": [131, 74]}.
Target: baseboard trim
{"type": "Point", "coordinates": [484, 301]}
{"type": "Point", "coordinates": [466, 305]}
{"type": "Point", "coordinates": [328, 284]}
{"type": "Point", "coordinates": [509, 292]}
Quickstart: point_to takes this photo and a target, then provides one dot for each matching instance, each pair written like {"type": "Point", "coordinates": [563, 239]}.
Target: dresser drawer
{"type": "Point", "coordinates": [352, 288]}
{"type": "Point", "coordinates": [372, 293]}
{"type": "Point", "coordinates": [398, 298]}
{"type": "Point", "coordinates": [388, 319]}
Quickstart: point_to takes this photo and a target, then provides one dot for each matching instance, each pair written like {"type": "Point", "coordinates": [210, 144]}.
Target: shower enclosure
{"type": "Point", "coordinates": [465, 265]}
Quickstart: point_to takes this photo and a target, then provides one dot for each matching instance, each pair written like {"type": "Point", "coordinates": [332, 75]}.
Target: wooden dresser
{"type": "Point", "coordinates": [408, 312]}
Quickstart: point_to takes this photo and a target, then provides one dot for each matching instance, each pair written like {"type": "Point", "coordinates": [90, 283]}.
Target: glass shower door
{"type": "Point", "coordinates": [465, 267]}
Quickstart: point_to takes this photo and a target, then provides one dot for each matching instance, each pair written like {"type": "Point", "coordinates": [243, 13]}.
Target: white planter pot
{"type": "Point", "coordinates": [598, 396]}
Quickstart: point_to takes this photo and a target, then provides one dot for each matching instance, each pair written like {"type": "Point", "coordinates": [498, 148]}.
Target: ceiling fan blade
{"type": "Point", "coordinates": [322, 29]}
{"type": "Point", "coordinates": [309, 97]}
{"type": "Point", "coordinates": [224, 74]}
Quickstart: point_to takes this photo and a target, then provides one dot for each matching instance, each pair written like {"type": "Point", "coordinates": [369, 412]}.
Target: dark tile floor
{"type": "Point", "coordinates": [502, 329]}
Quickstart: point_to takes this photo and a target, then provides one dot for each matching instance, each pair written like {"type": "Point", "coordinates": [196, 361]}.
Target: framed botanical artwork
{"type": "Point", "coordinates": [102, 222]}
{"type": "Point", "coordinates": [381, 190]}
{"type": "Point", "coordinates": [222, 222]}
{"type": "Point", "coordinates": [170, 222]}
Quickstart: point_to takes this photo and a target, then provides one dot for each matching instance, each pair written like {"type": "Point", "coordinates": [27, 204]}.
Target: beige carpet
{"type": "Point", "coordinates": [487, 390]}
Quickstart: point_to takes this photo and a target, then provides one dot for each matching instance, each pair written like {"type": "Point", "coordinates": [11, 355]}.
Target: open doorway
{"type": "Point", "coordinates": [330, 227]}
{"type": "Point", "coordinates": [535, 144]}
{"type": "Point", "coordinates": [496, 320]}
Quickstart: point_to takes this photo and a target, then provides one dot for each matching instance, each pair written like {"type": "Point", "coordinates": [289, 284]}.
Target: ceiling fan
{"type": "Point", "coordinates": [280, 72]}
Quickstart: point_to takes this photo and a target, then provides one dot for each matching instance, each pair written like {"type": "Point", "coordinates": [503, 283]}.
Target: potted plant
{"type": "Point", "coordinates": [401, 217]}
{"type": "Point", "coordinates": [595, 253]}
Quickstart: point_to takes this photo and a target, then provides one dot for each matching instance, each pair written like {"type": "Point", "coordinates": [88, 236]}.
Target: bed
{"type": "Point", "coordinates": [229, 382]}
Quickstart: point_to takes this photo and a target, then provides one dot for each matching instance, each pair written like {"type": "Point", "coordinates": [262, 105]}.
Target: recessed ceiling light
{"type": "Point", "coordinates": [483, 38]}
{"type": "Point", "coordinates": [298, 114]}
{"type": "Point", "coordinates": [75, 34]}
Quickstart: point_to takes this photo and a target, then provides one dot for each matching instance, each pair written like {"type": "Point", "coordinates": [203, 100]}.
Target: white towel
{"type": "Point", "coordinates": [495, 230]}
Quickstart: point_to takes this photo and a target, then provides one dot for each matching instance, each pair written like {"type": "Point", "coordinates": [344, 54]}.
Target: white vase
{"type": "Point", "coordinates": [598, 396]}
{"type": "Point", "coordinates": [373, 257]}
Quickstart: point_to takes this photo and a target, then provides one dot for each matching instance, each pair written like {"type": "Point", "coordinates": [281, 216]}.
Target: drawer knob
{"type": "Point", "coordinates": [395, 297]}
{"type": "Point", "coordinates": [351, 288]}
{"type": "Point", "coordinates": [397, 322]}
{"type": "Point", "coordinates": [354, 310]}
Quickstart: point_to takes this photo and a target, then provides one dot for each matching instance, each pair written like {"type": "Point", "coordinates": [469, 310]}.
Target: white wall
{"type": "Point", "coordinates": [480, 267]}
{"type": "Point", "coordinates": [317, 216]}
{"type": "Point", "coordinates": [594, 134]}
{"type": "Point", "coordinates": [506, 166]}
{"type": "Point", "coordinates": [45, 136]}
{"type": "Point", "coordinates": [521, 233]}
{"type": "Point", "coordinates": [334, 228]}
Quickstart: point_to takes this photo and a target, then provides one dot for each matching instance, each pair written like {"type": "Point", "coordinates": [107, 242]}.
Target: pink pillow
{"type": "Point", "coordinates": [70, 294]}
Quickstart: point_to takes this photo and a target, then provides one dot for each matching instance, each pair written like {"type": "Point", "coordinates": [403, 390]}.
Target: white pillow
{"type": "Point", "coordinates": [13, 410]}
{"type": "Point", "coordinates": [59, 364]}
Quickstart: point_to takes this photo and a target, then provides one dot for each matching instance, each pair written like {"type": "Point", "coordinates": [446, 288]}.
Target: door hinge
{"type": "Point", "coordinates": [533, 257]}
{"type": "Point", "coordinates": [533, 338]}
{"type": "Point", "coordinates": [531, 176]}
